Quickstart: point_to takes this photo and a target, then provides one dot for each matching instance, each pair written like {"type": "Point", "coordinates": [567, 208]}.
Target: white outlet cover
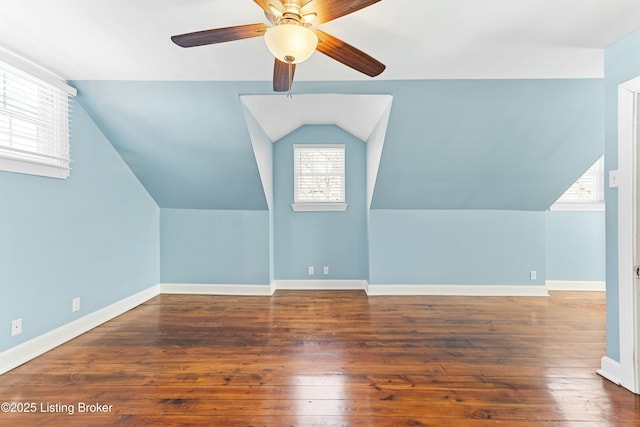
{"type": "Point", "coordinates": [16, 327]}
{"type": "Point", "coordinates": [75, 304]}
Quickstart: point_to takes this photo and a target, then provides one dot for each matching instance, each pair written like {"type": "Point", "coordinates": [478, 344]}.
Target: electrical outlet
{"type": "Point", "coordinates": [310, 270]}
{"type": "Point", "coordinates": [16, 327]}
{"type": "Point", "coordinates": [613, 179]}
{"type": "Point", "coordinates": [325, 270]}
{"type": "Point", "coordinates": [75, 304]}
{"type": "Point", "coordinates": [533, 275]}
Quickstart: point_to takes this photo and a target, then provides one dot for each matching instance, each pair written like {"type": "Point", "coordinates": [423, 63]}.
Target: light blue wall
{"type": "Point", "coordinates": [575, 249]}
{"type": "Point", "coordinates": [186, 141]}
{"type": "Point", "coordinates": [450, 144]}
{"type": "Point", "coordinates": [456, 247]}
{"type": "Point", "coordinates": [335, 239]}
{"type": "Point", "coordinates": [93, 236]}
{"type": "Point", "coordinates": [458, 144]}
{"type": "Point", "coordinates": [263, 151]}
{"type": "Point", "coordinates": [622, 63]}
{"type": "Point", "coordinates": [214, 247]}
{"type": "Point", "coordinates": [488, 144]}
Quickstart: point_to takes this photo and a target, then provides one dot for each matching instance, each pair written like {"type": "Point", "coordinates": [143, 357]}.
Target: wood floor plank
{"type": "Point", "coordinates": [331, 359]}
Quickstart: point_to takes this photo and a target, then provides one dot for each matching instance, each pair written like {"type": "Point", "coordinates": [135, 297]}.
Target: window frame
{"type": "Point", "coordinates": [299, 205]}
{"type": "Point", "coordinates": [54, 162]}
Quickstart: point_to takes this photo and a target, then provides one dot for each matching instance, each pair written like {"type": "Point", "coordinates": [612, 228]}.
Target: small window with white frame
{"type": "Point", "coordinates": [586, 194]}
{"type": "Point", "coordinates": [319, 177]}
{"type": "Point", "coordinates": [34, 123]}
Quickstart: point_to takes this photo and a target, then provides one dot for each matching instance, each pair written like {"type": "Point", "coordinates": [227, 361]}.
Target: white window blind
{"type": "Point", "coordinates": [586, 193]}
{"type": "Point", "coordinates": [34, 125]}
{"type": "Point", "coordinates": [319, 176]}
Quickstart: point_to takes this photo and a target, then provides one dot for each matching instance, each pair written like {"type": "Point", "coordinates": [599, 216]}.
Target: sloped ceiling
{"type": "Point", "coordinates": [187, 142]}
{"type": "Point", "coordinates": [488, 144]}
{"type": "Point", "coordinates": [450, 144]}
{"type": "Point", "coordinates": [176, 118]}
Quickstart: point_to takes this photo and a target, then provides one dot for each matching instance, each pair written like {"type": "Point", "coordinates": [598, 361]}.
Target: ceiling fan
{"type": "Point", "coordinates": [291, 39]}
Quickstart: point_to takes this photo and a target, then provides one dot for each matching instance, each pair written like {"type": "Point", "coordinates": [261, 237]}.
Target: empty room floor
{"type": "Point", "coordinates": [330, 358]}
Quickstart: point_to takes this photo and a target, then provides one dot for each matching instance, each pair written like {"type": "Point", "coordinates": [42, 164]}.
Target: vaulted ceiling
{"type": "Point", "coordinates": [496, 104]}
{"type": "Point", "coordinates": [416, 39]}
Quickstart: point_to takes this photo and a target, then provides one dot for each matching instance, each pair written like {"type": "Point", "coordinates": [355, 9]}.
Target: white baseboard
{"type": "Point", "coordinates": [320, 285]}
{"type": "Point", "coordinates": [610, 369]}
{"type": "Point", "coordinates": [351, 285]}
{"type": "Point", "coordinates": [203, 289]}
{"type": "Point", "coordinates": [459, 290]}
{"type": "Point", "coordinates": [28, 350]}
{"type": "Point", "coordinates": [576, 285]}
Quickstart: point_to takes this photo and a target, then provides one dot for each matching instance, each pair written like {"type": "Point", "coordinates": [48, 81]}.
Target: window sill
{"type": "Point", "coordinates": [319, 207]}
{"type": "Point", "coordinates": [33, 168]}
{"type": "Point", "coordinates": [577, 206]}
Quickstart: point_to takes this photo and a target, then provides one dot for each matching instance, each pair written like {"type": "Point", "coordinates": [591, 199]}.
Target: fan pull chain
{"type": "Point", "coordinates": [290, 80]}
{"type": "Point", "coordinates": [290, 60]}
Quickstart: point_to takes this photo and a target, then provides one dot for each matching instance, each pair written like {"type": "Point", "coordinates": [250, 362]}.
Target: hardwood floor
{"type": "Point", "coordinates": [331, 359]}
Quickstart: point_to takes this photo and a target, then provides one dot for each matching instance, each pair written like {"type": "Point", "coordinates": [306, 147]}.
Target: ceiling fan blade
{"type": "Point", "coordinates": [281, 78]}
{"type": "Point", "coordinates": [219, 35]}
{"type": "Point", "coordinates": [329, 10]}
{"type": "Point", "coordinates": [343, 52]}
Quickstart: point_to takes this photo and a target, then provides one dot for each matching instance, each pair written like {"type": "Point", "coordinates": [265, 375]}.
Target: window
{"type": "Point", "coordinates": [319, 177]}
{"type": "Point", "coordinates": [587, 193]}
{"type": "Point", "coordinates": [34, 124]}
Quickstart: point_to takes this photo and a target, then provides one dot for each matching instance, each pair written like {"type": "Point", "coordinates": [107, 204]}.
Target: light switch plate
{"type": "Point", "coordinates": [613, 179]}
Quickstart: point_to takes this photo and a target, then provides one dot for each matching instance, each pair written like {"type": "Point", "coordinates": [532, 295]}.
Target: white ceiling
{"type": "Point", "coordinates": [416, 39]}
{"type": "Point", "coordinates": [278, 115]}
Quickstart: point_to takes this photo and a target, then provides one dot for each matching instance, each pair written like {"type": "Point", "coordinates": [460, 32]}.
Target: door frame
{"type": "Point", "coordinates": [628, 94]}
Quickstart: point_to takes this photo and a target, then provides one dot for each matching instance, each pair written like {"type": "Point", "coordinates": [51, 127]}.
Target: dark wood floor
{"type": "Point", "coordinates": [331, 359]}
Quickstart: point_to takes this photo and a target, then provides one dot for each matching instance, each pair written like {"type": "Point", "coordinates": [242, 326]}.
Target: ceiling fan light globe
{"type": "Point", "coordinates": [291, 43]}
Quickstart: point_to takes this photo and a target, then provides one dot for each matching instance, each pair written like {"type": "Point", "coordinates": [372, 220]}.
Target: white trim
{"type": "Point", "coordinates": [352, 285]}
{"type": "Point", "coordinates": [319, 207]}
{"type": "Point", "coordinates": [28, 350]}
{"type": "Point", "coordinates": [459, 290]}
{"type": "Point", "coordinates": [375, 144]}
{"type": "Point", "coordinates": [577, 207]}
{"type": "Point", "coordinates": [33, 168]}
{"type": "Point", "coordinates": [609, 369]}
{"type": "Point", "coordinates": [627, 93]}
{"type": "Point", "coordinates": [36, 70]}
{"type": "Point", "coordinates": [318, 285]}
{"type": "Point", "coordinates": [576, 285]}
{"type": "Point", "coordinates": [211, 289]}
